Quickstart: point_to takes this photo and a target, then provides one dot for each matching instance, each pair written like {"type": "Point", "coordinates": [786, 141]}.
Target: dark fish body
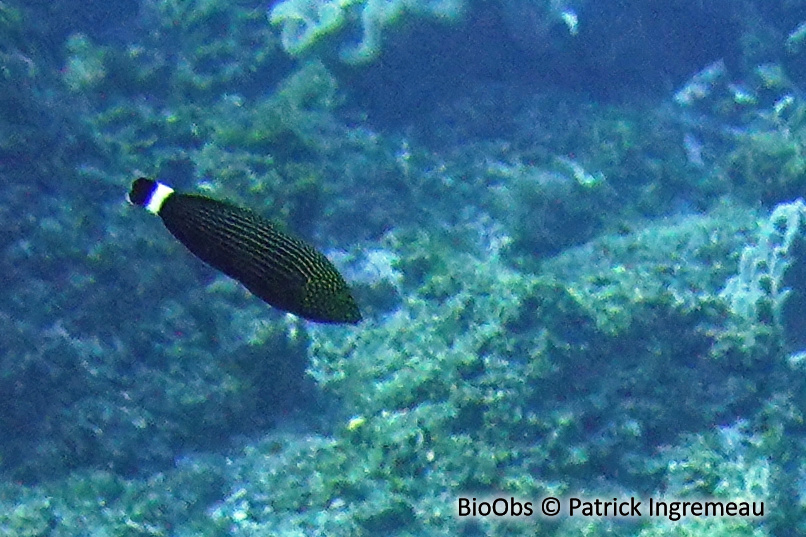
{"type": "Point", "coordinates": [282, 270]}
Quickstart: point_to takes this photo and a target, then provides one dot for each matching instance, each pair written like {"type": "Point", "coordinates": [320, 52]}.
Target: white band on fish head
{"type": "Point", "coordinates": [158, 197]}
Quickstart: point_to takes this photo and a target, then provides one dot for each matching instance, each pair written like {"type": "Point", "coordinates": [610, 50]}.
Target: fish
{"type": "Point", "coordinates": [281, 269]}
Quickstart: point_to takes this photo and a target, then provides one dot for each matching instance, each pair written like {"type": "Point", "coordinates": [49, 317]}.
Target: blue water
{"type": "Point", "coordinates": [570, 228]}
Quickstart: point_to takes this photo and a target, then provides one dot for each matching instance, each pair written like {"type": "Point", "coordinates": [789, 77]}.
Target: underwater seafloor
{"type": "Point", "coordinates": [572, 228]}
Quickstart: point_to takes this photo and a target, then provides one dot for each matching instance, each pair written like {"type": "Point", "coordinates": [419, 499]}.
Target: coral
{"type": "Point", "coordinates": [80, 389]}
{"type": "Point", "coordinates": [547, 210]}
{"type": "Point", "coordinates": [85, 64]}
{"type": "Point", "coordinates": [212, 45]}
{"type": "Point", "coordinates": [760, 292]}
{"type": "Point", "coordinates": [484, 379]}
{"type": "Point", "coordinates": [296, 117]}
{"type": "Point", "coordinates": [686, 261]}
{"type": "Point", "coordinates": [761, 155]}
{"type": "Point", "coordinates": [489, 379]}
{"type": "Point", "coordinates": [726, 464]}
{"type": "Point", "coordinates": [425, 392]}
{"type": "Point", "coordinates": [768, 161]}
{"type": "Point", "coordinates": [90, 501]}
{"type": "Point", "coordinates": [305, 22]}
{"type": "Point", "coordinates": [28, 517]}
